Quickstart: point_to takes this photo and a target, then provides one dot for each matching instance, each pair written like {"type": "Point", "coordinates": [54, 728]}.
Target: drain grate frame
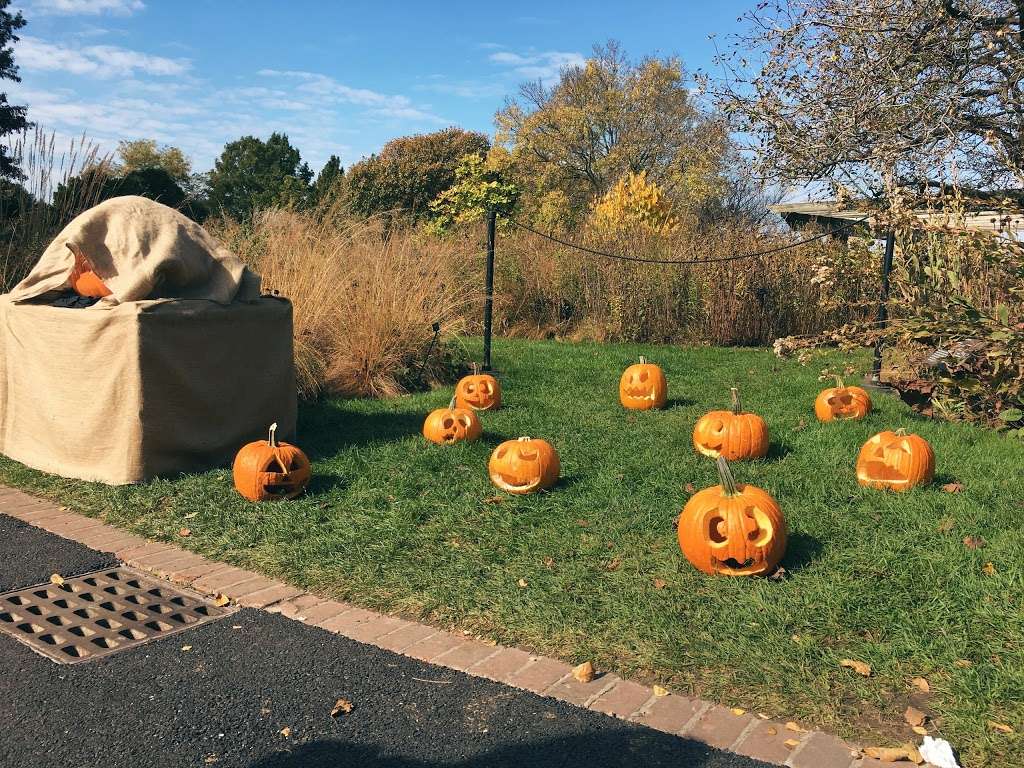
{"type": "Point", "coordinates": [100, 613]}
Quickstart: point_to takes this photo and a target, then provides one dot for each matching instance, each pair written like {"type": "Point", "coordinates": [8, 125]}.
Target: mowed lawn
{"type": "Point", "coordinates": [395, 523]}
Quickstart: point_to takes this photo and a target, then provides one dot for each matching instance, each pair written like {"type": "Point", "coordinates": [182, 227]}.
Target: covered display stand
{"type": "Point", "coordinates": [181, 364]}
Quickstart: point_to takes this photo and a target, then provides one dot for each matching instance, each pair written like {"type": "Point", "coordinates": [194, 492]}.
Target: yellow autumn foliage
{"type": "Point", "coordinates": [634, 204]}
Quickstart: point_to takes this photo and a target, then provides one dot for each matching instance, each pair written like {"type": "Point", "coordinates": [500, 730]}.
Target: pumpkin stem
{"type": "Point", "coordinates": [839, 382]}
{"type": "Point", "coordinates": [475, 369]}
{"type": "Point", "coordinates": [736, 408]}
{"type": "Point", "coordinates": [272, 437]}
{"type": "Point", "coordinates": [523, 439]}
{"type": "Point", "coordinates": [725, 475]}
{"type": "Point", "coordinates": [902, 432]}
{"type": "Point", "coordinates": [643, 360]}
{"type": "Point", "coordinates": [451, 405]}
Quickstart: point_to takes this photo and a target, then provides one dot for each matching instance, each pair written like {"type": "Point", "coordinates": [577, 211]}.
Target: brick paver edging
{"type": "Point", "coordinates": [756, 736]}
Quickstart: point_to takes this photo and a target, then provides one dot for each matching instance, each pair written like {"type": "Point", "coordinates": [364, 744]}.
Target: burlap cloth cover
{"type": "Point", "coordinates": [136, 387]}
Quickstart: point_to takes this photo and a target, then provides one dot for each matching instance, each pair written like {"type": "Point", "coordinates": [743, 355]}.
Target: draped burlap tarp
{"type": "Point", "coordinates": [144, 383]}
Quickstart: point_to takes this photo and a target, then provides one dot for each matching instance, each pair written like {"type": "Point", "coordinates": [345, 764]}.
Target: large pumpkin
{"type": "Point", "coordinates": [445, 426]}
{"type": "Point", "coordinates": [84, 280]}
{"type": "Point", "coordinates": [478, 391]}
{"type": "Point", "coordinates": [643, 386]}
{"type": "Point", "coordinates": [896, 461]}
{"type": "Point", "coordinates": [524, 465]}
{"type": "Point", "coordinates": [732, 434]}
{"type": "Point", "coordinates": [266, 470]}
{"type": "Point", "coordinates": [732, 529]}
{"type": "Point", "coordinates": [842, 402]}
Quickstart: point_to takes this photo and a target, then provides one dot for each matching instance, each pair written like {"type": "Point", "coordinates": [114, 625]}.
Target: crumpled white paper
{"type": "Point", "coordinates": [938, 752]}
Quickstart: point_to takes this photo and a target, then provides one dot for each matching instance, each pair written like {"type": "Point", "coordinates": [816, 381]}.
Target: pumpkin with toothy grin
{"type": "Point", "coordinates": [524, 465]}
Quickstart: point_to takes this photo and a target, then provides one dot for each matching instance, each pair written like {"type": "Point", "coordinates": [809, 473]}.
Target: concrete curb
{"type": "Point", "coordinates": [755, 736]}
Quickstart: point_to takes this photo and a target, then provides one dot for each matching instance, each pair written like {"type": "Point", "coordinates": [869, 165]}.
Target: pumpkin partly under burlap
{"type": "Point", "coordinates": [732, 529]}
{"type": "Point", "coordinates": [445, 426]}
{"type": "Point", "coordinates": [896, 461]}
{"type": "Point", "coordinates": [733, 434]}
{"type": "Point", "coordinates": [84, 280]}
{"type": "Point", "coordinates": [266, 470]}
{"type": "Point", "coordinates": [842, 402]}
{"type": "Point", "coordinates": [643, 386]}
{"type": "Point", "coordinates": [479, 391]}
{"type": "Point", "coordinates": [524, 465]}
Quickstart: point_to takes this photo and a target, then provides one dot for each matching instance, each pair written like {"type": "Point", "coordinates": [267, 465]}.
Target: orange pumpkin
{"type": "Point", "coordinates": [732, 434]}
{"type": "Point", "coordinates": [478, 391]}
{"type": "Point", "coordinates": [524, 465]}
{"type": "Point", "coordinates": [266, 470]}
{"type": "Point", "coordinates": [731, 529]}
{"type": "Point", "coordinates": [84, 280]}
{"type": "Point", "coordinates": [842, 402]}
{"type": "Point", "coordinates": [445, 426]}
{"type": "Point", "coordinates": [643, 386]}
{"type": "Point", "coordinates": [896, 461]}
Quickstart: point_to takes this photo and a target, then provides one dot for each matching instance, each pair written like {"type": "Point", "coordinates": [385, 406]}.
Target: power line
{"type": "Point", "coordinates": [641, 260]}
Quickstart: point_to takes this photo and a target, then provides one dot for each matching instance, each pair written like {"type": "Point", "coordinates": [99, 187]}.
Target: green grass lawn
{"type": "Point", "coordinates": [395, 523]}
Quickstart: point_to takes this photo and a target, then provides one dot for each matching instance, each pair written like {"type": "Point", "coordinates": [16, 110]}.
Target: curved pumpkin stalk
{"type": "Point", "coordinates": [643, 360]}
{"type": "Point", "coordinates": [272, 437]}
{"type": "Point", "coordinates": [736, 407]}
{"type": "Point", "coordinates": [451, 405]}
{"type": "Point", "coordinates": [728, 482]}
{"type": "Point", "coordinates": [840, 384]}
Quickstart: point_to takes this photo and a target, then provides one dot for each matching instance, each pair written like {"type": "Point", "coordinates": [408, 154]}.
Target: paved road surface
{"type": "Point", "coordinates": [253, 674]}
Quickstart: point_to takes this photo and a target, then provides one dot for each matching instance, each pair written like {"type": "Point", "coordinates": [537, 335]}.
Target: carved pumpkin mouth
{"type": "Point", "coordinates": [879, 470]}
{"type": "Point", "coordinates": [509, 483]}
{"type": "Point", "coordinates": [640, 394]}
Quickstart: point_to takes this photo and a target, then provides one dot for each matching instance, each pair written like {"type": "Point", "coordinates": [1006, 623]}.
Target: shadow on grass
{"type": "Point", "coordinates": [679, 402]}
{"type": "Point", "coordinates": [326, 427]}
{"type": "Point", "coordinates": [801, 551]}
{"type": "Point", "coordinates": [777, 451]}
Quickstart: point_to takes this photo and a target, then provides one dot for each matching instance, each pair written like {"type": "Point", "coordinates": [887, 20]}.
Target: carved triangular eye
{"type": "Point", "coordinates": [465, 421]}
{"type": "Point", "coordinates": [448, 422]}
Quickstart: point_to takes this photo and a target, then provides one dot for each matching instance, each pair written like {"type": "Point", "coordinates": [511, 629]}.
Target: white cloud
{"type": "Point", "coordinates": [546, 65]}
{"type": "Point", "coordinates": [102, 61]}
{"type": "Point", "coordinates": [86, 7]}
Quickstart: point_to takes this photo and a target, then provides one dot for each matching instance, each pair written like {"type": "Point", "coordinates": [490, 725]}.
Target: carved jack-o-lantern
{"type": "Point", "coordinates": [266, 470]}
{"type": "Point", "coordinates": [643, 386]}
{"type": "Point", "coordinates": [84, 280]}
{"type": "Point", "coordinates": [842, 402]}
{"type": "Point", "coordinates": [895, 460]}
{"type": "Point", "coordinates": [731, 529]}
{"type": "Point", "coordinates": [445, 426]}
{"type": "Point", "coordinates": [479, 391]}
{"type": "Point", "coordinates": [524, 465]}
{"type": "Point", "coordinates": [732, 434]}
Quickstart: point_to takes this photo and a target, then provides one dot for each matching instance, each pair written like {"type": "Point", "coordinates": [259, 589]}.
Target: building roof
{"type": "Point", "coordinates": [989, 221]}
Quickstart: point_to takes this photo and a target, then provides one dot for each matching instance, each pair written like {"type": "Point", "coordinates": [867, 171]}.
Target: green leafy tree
{"type": "Point", "coordinates": [251, 174]}
{"type": "Point", "coordinates": [410, 172]}
{"type": "Point", "coordinates": [144, 153]}
{"type": "Point", "coordinates": [328, 181]}
{"type": "Point", "coordinates": [154, 183]}
{"type": "Point", "coordinates": [479, 187]}
{"type": "Point", "coordinates": [12, 118]}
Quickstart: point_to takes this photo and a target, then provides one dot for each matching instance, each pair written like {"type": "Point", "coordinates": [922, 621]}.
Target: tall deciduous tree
{"type": "Point", "coordinates": [252, 174]}
{"type": "Point", "coordinates": [411, 171]}
{"type": "Point", "coordinates": [865, 94]}
{"type": "Point", "coordinates": [12, 118]}
{"type": "Point", "coordinates": [144, 153]}
{"type": "Point", "coordinates": [605, 119]}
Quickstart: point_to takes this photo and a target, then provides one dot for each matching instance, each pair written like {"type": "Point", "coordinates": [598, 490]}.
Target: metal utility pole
{"type": "Point", "coordinates": [883, 310]}
{"type": "Point", "coordinates": [489, 288]}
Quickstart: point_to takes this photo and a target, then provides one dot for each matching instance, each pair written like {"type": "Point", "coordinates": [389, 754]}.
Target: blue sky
{"type": "Point", "coordinates": [337, 77]}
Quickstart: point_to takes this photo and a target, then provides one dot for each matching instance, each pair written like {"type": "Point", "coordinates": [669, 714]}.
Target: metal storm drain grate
{"type": "Point", "coordinates": [101, 613]}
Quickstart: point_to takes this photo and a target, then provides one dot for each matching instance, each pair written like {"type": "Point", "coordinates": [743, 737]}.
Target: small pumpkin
{"type": "Point", "coordinates": [733, 434]}
{"type": "Point", "coordinates": [266, 470]}
{"type": "Point", "coordinates": [478, 391]}
{"type": "Point", "coordinates": [524, 465]}
{"type": "Point", "coordinates": [842, 402]}
{"type": "Point", "coordinates": [445, 426]}
{"type": "Point", "coordinates": [896, 461]}
{"type": "Point", "coordinates": [732, 529]}
{"type": "Point", "coordinates": [643, 386]}
{"type": "Point", "coordinates": [84, 280]}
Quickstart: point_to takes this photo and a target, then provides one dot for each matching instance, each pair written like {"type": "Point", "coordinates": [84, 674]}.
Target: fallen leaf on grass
{"type": "Point", "coordinates": [974, 542]}
{"type": "Point", "coordinates": [494, 500]}
{"type": "Point", "coordinates": [210, 759]}
{"type": "Point", "coordinates": [690, 489]}
{"type": "Point", "coordinates": [921, 684]}
{"type": "Point", "coordinates": [659, 691]}
{"type": "Point", "coordinates": [1001, 727]}
{"type": "Point", "coordinates": [341, 707]}
{"type": "Point", "coordinates": [914, 716]}
{"type": "Point", "coordinates": [793, 726]}
{"type": "Point", "coordinates": [549, 562]}
{"type": "Point", "coordinates": [584, 672]}
{"type": "Point", "coordinates": [286, 731]}
{"type": "Point", "coordinates": [952, 487]}
{"type": "Point", "coordinates": [920, 730]}
{"type": "Point", "coordinates": [56, 578]}
{"type": "Point", "coordinates": [946, 524]}
{"type": "Point", "coordinates": [895, 754]}
{"type": "Point", "coordinates": [857, 666]}
{"type": "Point", "coordinates": [738, 711]}
{"type": "Point", "coordinates": [791, 743]}
{"type": "Point", "coordinates": [582, 523]}
{"type": "Point", "coordinates": [185, 532]}
{"type": "Point", "coordinates": [988, 569]}
{"type": "Point", "coordinates": [190, 515]}
{"type": "Point", "coordinates": [186, 648]}
{"type": "Point", "coordinates": [523, 583]}
{"type": "Point", "coordinates": [802, 424]}
{"type": "Point", "coordinates": [963, 663]}
{"type": "Point", "coordinates": [220, 599]}
{"type": "Point", "coordinates": [613, 564]}
{"type": "Point", "coordinates": [660, 583]}
{"type": "Point", "coordinates": [779, 574]}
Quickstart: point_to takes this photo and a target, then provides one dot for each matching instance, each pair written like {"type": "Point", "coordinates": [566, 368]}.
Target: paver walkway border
{"type": "Point", "coordinates": [734, 730]}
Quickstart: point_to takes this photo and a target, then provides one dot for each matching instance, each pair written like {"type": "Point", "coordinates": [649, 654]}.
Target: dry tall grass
{"type": "Point", "coordinates": [365, 299]}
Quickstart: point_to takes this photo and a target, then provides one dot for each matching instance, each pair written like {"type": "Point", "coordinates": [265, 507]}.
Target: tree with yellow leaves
{"type": "Point", "coordinates": [634, 204]}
